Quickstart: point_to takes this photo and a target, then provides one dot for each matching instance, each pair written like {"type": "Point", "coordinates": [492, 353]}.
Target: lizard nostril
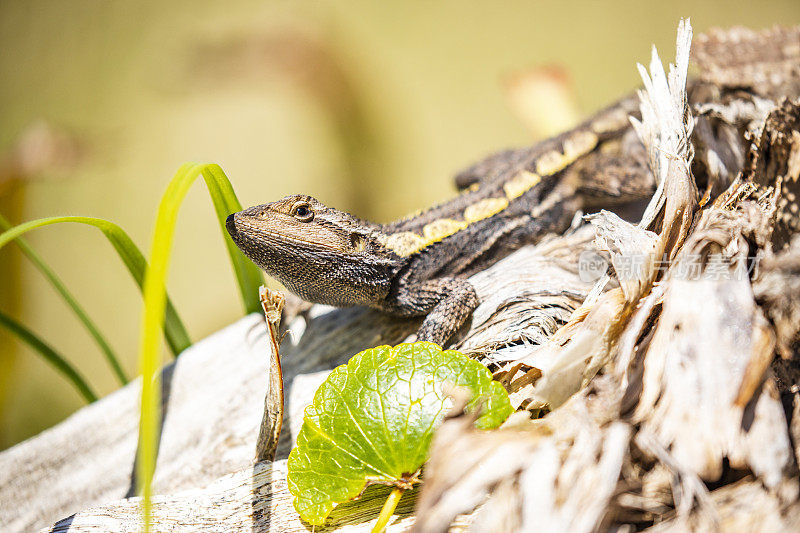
{"type": "Point", "coordinates": [230, 224]}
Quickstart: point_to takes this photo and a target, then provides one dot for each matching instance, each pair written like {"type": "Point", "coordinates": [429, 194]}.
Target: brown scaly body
{"type": "Point", "coordinates": [419, 265]}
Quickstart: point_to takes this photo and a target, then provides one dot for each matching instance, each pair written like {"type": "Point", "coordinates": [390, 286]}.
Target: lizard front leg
{"type": "Point", "coordinates": [447, 302]}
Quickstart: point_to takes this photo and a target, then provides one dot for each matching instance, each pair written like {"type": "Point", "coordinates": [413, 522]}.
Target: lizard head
{"type": "Point", "coordinates": [321, 254]}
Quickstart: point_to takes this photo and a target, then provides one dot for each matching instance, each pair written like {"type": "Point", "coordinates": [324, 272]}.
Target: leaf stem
{"type": "Point", "coordinates": [388, 509]}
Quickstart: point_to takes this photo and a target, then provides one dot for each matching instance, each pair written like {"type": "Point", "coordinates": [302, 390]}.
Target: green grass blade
{"type": "Point", "coordinates": [52, 357]}
{"type": "Point", "coordinates": [174, 331]}
{"type": "Point", "coordinates": [152, 314]}
{"type": "Point", "coordinates": [59, 286]}
{"type": "Point", "coordinates": [248, 276]}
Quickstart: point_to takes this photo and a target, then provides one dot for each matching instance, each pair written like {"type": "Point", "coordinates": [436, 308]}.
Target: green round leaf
{"type": "Point", "coordinates": [372, 421]}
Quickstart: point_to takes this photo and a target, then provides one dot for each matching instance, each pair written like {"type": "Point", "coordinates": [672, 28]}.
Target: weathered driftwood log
{"type": "Point", "coordinates": [667, 406]}
{"type": "Point", "coordinates": [685, 428]}
{"type": "Point", "coordinates": [214, 395]}
{"type": "Point", "coordinates": [253, 499]}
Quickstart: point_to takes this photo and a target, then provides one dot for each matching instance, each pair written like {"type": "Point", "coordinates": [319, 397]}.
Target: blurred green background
{"type": "Point", "coordinates": [369, 106]}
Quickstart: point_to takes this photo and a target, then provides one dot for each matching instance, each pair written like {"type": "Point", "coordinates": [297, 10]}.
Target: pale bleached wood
{"type": "Point", "coordinates": [253, 499]}
{"type": "Point", "coordinates": [214, 409]}
{"type": "Point", "coordinates": [564, 470]}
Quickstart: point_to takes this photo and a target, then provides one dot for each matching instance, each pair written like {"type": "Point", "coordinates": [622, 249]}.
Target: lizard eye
{"type": "Point", "coordinates": [302, 212]}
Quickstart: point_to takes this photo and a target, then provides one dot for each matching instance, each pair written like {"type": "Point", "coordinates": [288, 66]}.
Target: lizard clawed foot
{"type": "Point", "coordinates": [452, 301]}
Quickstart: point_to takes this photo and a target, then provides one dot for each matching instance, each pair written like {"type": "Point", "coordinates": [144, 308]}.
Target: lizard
{"type": "Point", "coordinates": [419, 265]}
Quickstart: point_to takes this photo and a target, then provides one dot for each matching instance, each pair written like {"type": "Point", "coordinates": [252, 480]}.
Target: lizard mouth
{"type": "Point", "coordinates": [230, 225]}
{"type": "Point", "coordinates": [240, 238]}
{"type": "Point", "coordinates": [297, 241]}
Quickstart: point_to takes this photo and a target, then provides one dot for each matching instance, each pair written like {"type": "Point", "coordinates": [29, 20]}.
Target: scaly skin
{"type": "Point", "coordinates": [418, 266]}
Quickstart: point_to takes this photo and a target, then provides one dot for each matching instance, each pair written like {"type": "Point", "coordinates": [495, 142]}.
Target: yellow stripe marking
{"type": "Point", "coordinates": [439, 229]}
{"type": "Point", "coordinates": [550, 163]}
{"type": "Point", "coordinates": [579, 143]}
{"type": "Point", "coordinates": [484, 209]}
{"type": "Point", "coordinates": [616, 119]}
{"type": "Point", "coordinates": [407, 243]}
{"type": "Point", "coordinates": [403, 244]}
{"type": "Point", "coordinates": [576, 145]}
{"type": "Point", "coordinates": [520, 184]}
